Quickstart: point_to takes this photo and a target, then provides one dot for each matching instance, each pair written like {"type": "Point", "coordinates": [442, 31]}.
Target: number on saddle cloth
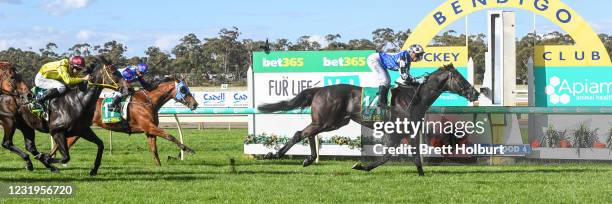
{"type": "Point", "coordinates": [369, 104]}
{"type": "Point", "coordinates": [110, 115]}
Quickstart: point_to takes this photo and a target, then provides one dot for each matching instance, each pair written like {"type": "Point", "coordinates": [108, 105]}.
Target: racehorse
{"type": "Point", "coordinates": [14, 93]}
{"type": "Point", "coordinates": [335, 106]}
{"type": "Point", "coordinates": [69, 114]}
{"type": "Point", "coordinates": [143, 117]}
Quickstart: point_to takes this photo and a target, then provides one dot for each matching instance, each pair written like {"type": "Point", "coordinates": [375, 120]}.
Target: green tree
{"type": "Point", "coordinates": [361, 44]}
{"type": "Point", "coordinates": [114, 51]}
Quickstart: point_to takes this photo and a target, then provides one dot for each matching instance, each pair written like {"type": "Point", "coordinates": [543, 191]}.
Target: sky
{"type": "Point", "coordinates": [139, 24]}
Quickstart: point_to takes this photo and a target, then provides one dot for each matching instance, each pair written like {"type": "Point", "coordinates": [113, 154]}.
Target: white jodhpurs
{"type": "Point", "coordinates": [383, 78]}
{"type": "Point", "coordinates": [45, 83]}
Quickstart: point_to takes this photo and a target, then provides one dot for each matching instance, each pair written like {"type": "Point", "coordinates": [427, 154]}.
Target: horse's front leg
{"type": "Point", "coordinates": [394, 142]}
{"type": "Point", "coordinates": [62, 145]}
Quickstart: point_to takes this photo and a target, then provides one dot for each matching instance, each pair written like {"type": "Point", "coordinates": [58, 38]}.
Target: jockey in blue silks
{"type": "Point", "coordinates": [380, 62]}
{"type": "Point", "coordinates": [131, 74]}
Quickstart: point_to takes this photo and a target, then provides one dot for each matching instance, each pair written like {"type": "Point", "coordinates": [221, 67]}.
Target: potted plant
{"type": "Point", "coordinates": [551, 138]}
{"type": "Point", "coordinates": [599, 145]}
{"type": "Point", "coordinates": [584, 137]}
{"type": "Point", "coordinates": [609, 140]}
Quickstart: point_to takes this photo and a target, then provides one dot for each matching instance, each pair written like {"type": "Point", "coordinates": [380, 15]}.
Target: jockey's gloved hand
{"type": "Point", "coordinates": [405, 76]}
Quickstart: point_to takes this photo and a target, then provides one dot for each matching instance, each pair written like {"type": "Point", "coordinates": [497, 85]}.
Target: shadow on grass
{"type": "Point", "coordinates": [104, 179]}
{"type": "Point", "coordinates": [5, 169]}
{"type": "Point", "coordinates": [253, 163]}
{"type": "Point", "coordinates": [496, 171]}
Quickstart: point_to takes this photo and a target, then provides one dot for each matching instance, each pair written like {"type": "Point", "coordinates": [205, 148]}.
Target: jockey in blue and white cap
{"type": "Point", "coordinates": [131, 74]}
{"type": "Point", "coordinates": [380, 62]}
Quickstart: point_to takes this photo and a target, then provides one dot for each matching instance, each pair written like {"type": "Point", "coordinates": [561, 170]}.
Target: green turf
{"type": "Point", "coordinates": [130, 176]}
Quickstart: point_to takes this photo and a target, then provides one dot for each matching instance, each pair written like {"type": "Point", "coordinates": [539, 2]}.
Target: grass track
{"type": "Point", "coordinates": [130, 176]}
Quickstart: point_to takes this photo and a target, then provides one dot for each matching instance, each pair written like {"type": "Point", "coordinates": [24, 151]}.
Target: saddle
{"type": "Point", "coordinates": [39, 110]}
{"type": "Point", "coordinates": [369, 100]}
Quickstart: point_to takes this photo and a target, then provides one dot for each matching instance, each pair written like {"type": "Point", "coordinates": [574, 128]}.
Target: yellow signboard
{"type": "Point", "coordinates": [438, 56]}
{"type": "Point", "coordinates": [556, 11]}
{"type": "Point", "coordinates": [567, 56]}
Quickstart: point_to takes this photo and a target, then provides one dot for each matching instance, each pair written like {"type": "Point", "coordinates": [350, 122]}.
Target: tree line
{"type": "Point", "coordinates": [225, 57]}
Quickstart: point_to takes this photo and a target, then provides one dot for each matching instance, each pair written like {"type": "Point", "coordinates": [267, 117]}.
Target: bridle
{"type": "Point", "coordinates": [450, 77]}
{"type": "Point", "coordinates": [113, 85]}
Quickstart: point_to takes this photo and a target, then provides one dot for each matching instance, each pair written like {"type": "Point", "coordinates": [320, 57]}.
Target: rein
{"type": "Point", "coordinates": [149, 100]}
{"type": "Point", "coordinates": [114, 84]}
{"type": "Point", "coordinates": [450, 77]}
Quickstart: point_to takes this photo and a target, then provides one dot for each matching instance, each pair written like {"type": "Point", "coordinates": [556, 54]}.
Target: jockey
{"type": "Point", "coordinates": [381, 62]}
{"type": "Point", "coordinates": [54, 76]}
{"type": "Point", "coordinates": [130, 74]}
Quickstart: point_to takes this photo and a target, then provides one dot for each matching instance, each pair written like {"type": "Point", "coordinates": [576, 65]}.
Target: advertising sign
{"type": "Point", "coordinates": [216, 99]}
{"type": "Point", "coordinates": [279, 76]}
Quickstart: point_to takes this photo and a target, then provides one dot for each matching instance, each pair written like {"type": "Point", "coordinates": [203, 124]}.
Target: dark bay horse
{"type": "Point", "coordinates": [69, 114]}
{"type": "Point", "coordinates": [335, 106]}
{"type": "Point", "coordinates": [143, 114]}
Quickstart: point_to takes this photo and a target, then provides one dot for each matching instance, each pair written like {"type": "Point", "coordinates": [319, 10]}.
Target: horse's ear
{"type": "Point", "coordinates": [102, 60]}
{"type": "Point", "coordinates": [186, 80]}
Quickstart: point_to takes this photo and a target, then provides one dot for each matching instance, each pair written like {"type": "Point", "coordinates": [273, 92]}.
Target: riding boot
{"type": "Point", "coordinates": [382, 97]}
{"type": "Point", "coordinates": [48, 95]}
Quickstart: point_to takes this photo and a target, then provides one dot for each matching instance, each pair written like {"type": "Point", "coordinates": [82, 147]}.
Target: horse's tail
{"type": "Point", "coordinates": [302, 100]}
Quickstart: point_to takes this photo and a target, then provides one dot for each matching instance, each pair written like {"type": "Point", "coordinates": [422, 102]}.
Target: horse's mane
{"type": "Point", "coordinates": [164, 80]}
{"type": "Point", "coordinates": [410, 90]}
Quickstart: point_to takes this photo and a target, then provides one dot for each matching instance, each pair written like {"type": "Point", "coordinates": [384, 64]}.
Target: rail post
{"type": "Point", "coordinates": [178, 124]}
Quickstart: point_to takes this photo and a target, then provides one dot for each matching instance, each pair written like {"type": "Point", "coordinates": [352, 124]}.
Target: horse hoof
{"type": "Point", "coordinates": [190, 151]}
{"type": "Point", "coordinates": [308, 161]}
{"type": "Point", "coordinates": [269, 156]}
{"type": "Point", "coordinates": [54, 170]}
{"type": "Point", "coordinates": [93, 172]}
{"type": "Point", "coordinates": [29, 166]}
{"type": "Point", "coordinates": [360, 167]}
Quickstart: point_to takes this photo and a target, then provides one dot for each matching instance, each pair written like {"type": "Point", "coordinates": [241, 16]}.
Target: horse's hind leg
{"type": "Point", "coordinates": [153, 145]}
{"type": "Point", "coordinates": [156, 131]}
{"type": "Point", "coordinates": [30, 144]}
{"type": "Point", "coordinates": [7, 142]}
{"type": "Point", "coordinates": [310, 130]}
{"type": "Point", "coordinates": [417, 156]}
{"type": "Point", "coordinates": [312, 140]}
{"type": "Point", "coordinates": [90, 136]}
{"type": "Point", "coordinates": [395, 140]}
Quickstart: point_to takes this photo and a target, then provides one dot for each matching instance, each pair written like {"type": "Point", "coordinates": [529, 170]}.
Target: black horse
{"type": "Point", "coordinates": [69, 114]}
{"type": "Point", "coordinates": [334, 106]}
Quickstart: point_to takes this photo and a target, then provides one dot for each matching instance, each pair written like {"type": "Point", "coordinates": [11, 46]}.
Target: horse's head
{"type": "Point", "coordinates": [104, 73]}
{"type": "Point", "coordinates": [8, 75]}
{"type": "Point", "coordinates": [183, 95]}
{"type": "Point", "coordinates": [454, 82]}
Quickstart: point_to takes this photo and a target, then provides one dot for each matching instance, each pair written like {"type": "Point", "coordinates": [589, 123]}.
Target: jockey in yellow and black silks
{"type": "Point", "coordinates": [54, 76]}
